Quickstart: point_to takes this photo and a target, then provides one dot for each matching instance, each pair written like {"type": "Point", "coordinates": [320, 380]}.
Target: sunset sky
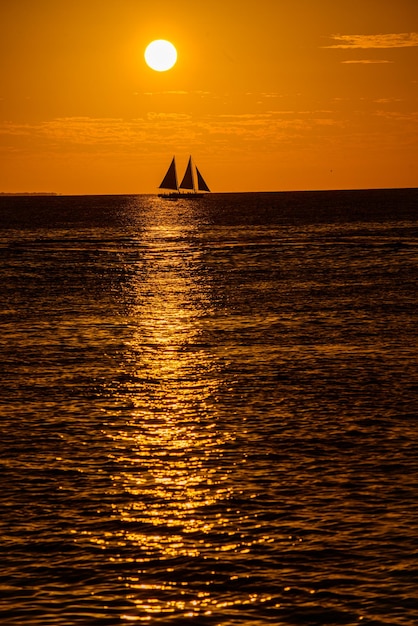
{"type": "Point", "coordinates": [267, 95]}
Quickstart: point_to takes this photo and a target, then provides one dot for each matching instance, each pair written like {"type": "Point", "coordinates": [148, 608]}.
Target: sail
{"type": "Point", "coordinates": [187, 182]}
{"type": "Point", "coordinates": [192, 181]}
{"type": "Point", "coordinates": [170, 179]}
{"type": "Point", "coordinates": [201, 185]}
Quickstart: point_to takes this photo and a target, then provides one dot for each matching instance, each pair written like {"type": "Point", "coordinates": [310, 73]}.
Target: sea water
{"type": "Point", "coordinates": [209, 409]}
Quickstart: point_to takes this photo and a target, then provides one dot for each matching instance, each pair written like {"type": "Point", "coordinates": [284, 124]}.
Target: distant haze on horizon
{"type": "Point", "coordinates": [272, 95]}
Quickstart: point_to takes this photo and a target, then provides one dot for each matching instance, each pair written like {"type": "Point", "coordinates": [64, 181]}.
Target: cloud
{"type": "Point", "coordinates": [272, 127]}
{"type": "Point", "coordinates": [175, 117]}
{"type": "Point", "coordinates": [83, 135]}
{"type": "Point", "coordinates": [179, 92]}
{"type": "Point", "coordinates": [165, 93]}
{"type": "Point", "coordinates": [99, 134]}
{"type": "Point", "coordinates": [388, 40]}
{"type": "Point", "coordinates": [80, 131]}
{"type": "Point", "coordinates": [409, 119]}
{"type": "Point", "coordinates": [387, 100]}
{"type": "Point", "coordinates": [367, 61]}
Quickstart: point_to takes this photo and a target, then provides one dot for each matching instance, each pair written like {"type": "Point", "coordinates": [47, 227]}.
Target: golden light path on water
{"type": "Point", "coordinates": [172, 454]}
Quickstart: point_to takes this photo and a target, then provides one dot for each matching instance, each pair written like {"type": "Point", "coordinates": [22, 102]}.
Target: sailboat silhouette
{"type": "Point", "coordinates": [193, 182]}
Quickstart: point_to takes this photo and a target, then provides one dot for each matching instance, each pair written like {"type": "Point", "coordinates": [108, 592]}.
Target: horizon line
{"type": "Point", "coordinates": [60, 194]}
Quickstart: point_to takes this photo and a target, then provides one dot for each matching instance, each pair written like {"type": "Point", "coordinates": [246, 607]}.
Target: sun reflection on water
{"type": "Point", "coordinates": [168, 451]}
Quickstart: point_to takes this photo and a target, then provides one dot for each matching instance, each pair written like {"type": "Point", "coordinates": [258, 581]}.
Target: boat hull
{"type": "Point", "coordinates": [181, 196]}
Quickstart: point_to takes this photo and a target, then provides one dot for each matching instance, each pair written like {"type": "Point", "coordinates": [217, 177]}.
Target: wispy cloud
{"type": "Point", "coordinates": [270, 129]}
{"type": "Point", "coordinates": [407, 118]}
{"type": "Point", "coordinates": [83, 134]}
{"type": "Point", "coordinates": [166, 93]}
{"type": "Point", "coordinates": [383, 40]}
{"type": "Point", "coordinates": [387, 100]}
{"type": "Point", "coordinates": [99, 135]}
{"type": "Point", "coordinates": [173, 117]}
{"type": "Point", "coordinates": [178, 92]}
{"type": "Point", "coordinates": [367, 61]}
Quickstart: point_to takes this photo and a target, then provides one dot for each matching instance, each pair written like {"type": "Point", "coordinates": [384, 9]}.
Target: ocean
{"type": "Point", "coordinates": [209, 409]}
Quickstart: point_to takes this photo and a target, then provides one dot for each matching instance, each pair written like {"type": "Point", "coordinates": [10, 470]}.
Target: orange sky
{"type": "Point", "coordinates": [266, 94]}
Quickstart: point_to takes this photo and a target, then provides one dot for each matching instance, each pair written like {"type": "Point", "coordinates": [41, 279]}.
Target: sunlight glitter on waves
{"type": "Point", "coordinates": [165, 491]}
{"type": "Point", "coordinates": [169, 481]}
{"type": "Point", "coordinates": [203, 604]}
{"type": "Point", "coordinates": [169, 471]}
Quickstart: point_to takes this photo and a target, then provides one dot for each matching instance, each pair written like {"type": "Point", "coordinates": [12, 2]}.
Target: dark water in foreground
{"type": "Point", "coordinates": [209, 409]}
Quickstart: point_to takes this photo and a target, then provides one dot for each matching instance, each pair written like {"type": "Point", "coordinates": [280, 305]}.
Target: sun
{"type": "Point", "coordinates": [160, 55]}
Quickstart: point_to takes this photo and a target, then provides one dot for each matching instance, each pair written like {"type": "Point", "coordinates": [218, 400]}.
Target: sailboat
{"type": "Point", "coordinates": [193, 182]}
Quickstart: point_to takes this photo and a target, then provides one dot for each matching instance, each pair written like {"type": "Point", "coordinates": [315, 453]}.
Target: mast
{"type": "Point", "coordinates": [188, 179]}
{"type": "Point", "coordinates": [170, 179]}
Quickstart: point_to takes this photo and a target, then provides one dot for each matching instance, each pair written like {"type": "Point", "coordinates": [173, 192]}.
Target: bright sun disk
{"type": "Point", "coordinates": [160, 55]}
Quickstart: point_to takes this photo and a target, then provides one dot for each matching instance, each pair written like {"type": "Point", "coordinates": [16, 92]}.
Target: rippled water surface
{"type": "Point", "coordinates": [209, 409]}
